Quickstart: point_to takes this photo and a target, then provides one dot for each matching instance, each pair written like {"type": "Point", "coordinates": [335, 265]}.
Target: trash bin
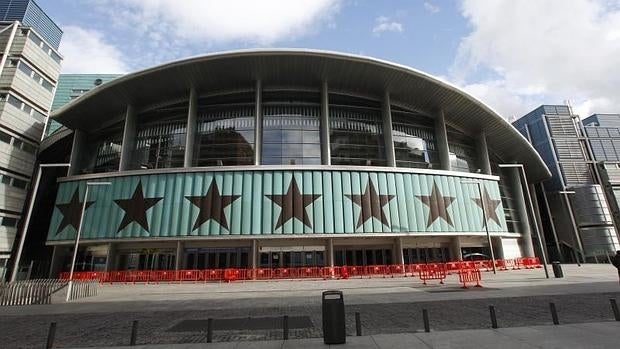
{"type": "Point", "coordinates": [557, 269]}
{"type": "Point", "coordinates": [334, 331]}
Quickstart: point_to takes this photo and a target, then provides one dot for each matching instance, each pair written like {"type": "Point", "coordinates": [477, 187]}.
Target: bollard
{"type": "Point", "coordinates": [285, 327]}
{"type": "Point", "coordinates": [209, 330]}
{"type": "Point", "coordinates": [427, 326]}
{"type": "Point", "coordinates": [134, 333]}
{"type": "Point", "coordinates": [51, 334]}
{"type": "Point", "coordinates": [614, 308]}
{"type": "Point", "coordinates": [493, 317]}
{"type": "Point", "coordinates": [554, 314]}
{"type": "Point", "coordinates": [358, 324]}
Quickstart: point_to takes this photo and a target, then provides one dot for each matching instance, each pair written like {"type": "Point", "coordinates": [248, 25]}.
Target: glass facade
{"type": "Point", "coordinates": [225, 131]}
{"type": "Point", "coordinates": [291, 135]}
{"type": "Point", "coordinates": [414, 140]}
{"type": "Point", "coordinates": [108, 150]}
{"type": "Point", "coordinates": [356, 132]}
{"type": "Point", "coordinates": [463, 155]}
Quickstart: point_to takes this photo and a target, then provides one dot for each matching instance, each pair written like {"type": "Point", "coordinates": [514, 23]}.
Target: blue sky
{"type": "Point", "coordinates": [512, 54]}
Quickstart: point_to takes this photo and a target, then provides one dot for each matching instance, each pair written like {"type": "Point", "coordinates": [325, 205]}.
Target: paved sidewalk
{"type": "Point", "coordinates": [589, 335]}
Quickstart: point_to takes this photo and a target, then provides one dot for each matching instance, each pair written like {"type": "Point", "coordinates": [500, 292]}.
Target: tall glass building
{"type": "Point", "coordinates": [29, 71]}
{"type": "Point", "coordinates": [270, 158]}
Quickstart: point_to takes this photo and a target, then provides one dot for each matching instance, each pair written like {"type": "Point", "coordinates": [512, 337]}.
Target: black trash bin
{"type": "Point", "coordinates": [334, 331]}
{"type": "Point", "coordinates": [557, 269]}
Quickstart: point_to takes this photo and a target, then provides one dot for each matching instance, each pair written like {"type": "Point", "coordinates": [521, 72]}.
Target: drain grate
{"type": "Point", "coordinates": [256, 323]}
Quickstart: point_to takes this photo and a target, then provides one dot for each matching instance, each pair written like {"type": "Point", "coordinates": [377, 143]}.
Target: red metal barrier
{"type": "Point", "coordinates": [470, 275]}
{"type": "Point", "coordinates": [433, 272]}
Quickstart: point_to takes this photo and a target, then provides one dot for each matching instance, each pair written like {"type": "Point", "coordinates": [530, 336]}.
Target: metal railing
{"type": "Point", "coordinates": [40, 291]}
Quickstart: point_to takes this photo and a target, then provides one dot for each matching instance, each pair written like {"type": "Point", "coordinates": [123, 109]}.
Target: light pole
{"type": "Point", "coordinates": [33, 196]}
{"type": "Point", "coordinates": [484, 220]}
{"type": "Point", "coordinates": [77, 237]}
{"type": "Point", "coordinates": [523, 179]}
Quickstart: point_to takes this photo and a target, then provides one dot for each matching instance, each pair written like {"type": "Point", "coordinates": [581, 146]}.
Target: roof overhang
{"type": "Point", "coordinates": [303, 68]}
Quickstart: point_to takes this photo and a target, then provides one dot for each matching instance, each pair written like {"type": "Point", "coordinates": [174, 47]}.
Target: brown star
{"type": "Point", "coordinates": [212, 206]}
{"type": "Point", "coordinates": [135, 208]}
{"type": "Point", "coordinates": [438, 205]}
{"type": "Point", "coordinates": [293, 204]}
{"type": "Point", "coordinates": [371, 204]}
{"type": "Point", "coordinates": [71, 212]}
{"type": "Point", "coordinates": [489, 206]}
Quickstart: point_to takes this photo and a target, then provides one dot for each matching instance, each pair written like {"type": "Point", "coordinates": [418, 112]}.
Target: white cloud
{"type": "Point", "coordinates": [547, 51]}
{"type": "Point", "coordinates": [86, 51]}
{"type": "Point", "coordinates": [209, 21]}
{"type": "Point", "coordinates": [430, 7]}
{"type": "Point", "coordinates": [384, 24]}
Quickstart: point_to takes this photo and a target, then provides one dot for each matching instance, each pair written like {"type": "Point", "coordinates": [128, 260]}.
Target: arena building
{"type": "Point", "coordinates": [268, 158]}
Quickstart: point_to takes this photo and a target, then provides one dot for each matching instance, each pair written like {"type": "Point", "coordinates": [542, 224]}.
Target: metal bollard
{"type": "Point", "coordinates": [358, 324]}
{"type": "Point", "coordinates": [493, 316]}
{"type": "Point", "coordinates": [209, 330]}
{"type": "Point", "coordinates": [51, 334]}
{"type": "Point", "coordinates": [427, 326]}
{"type": "Point", "coordinates": [134, 333]}
{"type": "Point", "coordinates": [554, 314]}
{"type": "Point", "coordinates": [285, 327]}
{"type": "Point", "coordinates": [614, 308]}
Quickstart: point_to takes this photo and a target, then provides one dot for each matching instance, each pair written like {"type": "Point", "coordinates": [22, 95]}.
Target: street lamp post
{"type": "Point", "coordinates": [484, 220]}
{"type": "Point", "coordinates": [77, 237]}
{"type": "Point", "coordinates": [33, 196]}
{"type": "Point", "coordinates": [529, 197]}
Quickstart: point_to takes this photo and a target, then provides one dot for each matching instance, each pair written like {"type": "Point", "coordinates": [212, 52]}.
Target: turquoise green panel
{"type": "Point", "coordinates": [342, 200]}
{"type": "Point", "coordinates": [331, 212]}
{"type": "Point", "coordinates": [401, 202]}
{"type": "Point", "coordinates": [317, 207]}
{"type": "Point", "coordinates": [268, 187]}
{"type": "Point", "coordinates": [348, 208]}
{"type": "Point", "coordinates": [392, 205]}
{"type": "Point", "coordinates": [244, 217]}
{"type": "Point", "coordinates": [337, 191]}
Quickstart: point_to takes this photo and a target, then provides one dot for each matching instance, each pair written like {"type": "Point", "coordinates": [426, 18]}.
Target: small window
{"type": "Point", "coordinates": [3, 97]}
{"type": "Point", "coordinates": [13, 62]}
{"type": "Point", "coordinates": [27, 147]}
{"type": "Point", "coordinates": [24, 32]}
{"type": "Point", "coordinates": [5, 180]}
{"type": "Point", "coordinates": [5, 137]}
{"type": "Point", "coordinates": [9, 221]}
{"type": "Point", "coordinates": [18, 183]}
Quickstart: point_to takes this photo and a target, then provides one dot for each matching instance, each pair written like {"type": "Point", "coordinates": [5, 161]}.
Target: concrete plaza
{"type": "Point", "coordinates": [389, 307]}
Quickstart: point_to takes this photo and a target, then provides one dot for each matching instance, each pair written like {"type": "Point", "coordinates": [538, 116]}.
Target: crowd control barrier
{"type": "Point", "coordinates": [471, 276]}
{"type": "Point", "coordinates": [425, 271]}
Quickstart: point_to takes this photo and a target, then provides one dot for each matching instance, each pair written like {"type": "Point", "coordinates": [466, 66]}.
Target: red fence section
{"type": "Point", "coordinates": [427, 271]}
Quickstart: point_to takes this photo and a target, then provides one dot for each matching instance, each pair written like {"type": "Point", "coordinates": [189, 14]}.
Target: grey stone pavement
{"type": "Point", "coordinates": [389, 307]}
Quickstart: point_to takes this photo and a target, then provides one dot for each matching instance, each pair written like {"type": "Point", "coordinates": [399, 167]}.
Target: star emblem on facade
{"type": "Point", "coordinates": [71, 212]}
{"type": "Point", "coordinates": [135, 208]}
{"type": "Point", "coordinates": [371, 204]}
{"type": "Point", "coordinates": [489, 206]}
{"type": "Point", "coordinates": [212, 206]}
{"type": "Point", "coordinates": [438, 205]}
{"type": "Point", "coordinates": [293, 204]}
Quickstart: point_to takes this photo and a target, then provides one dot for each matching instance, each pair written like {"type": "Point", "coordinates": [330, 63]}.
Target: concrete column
{"type": "Point", "coordinates": [190, 138]}
{"type": "Point", "coordinates": [110, 262]}
{"type": "Point", "coordinates": [441, 140]}
{"type": "Point", "coordinates": [77, 148]}
{"type": "Point", "coordinates": [399, 258]}
{"type": "Point", "coordinates": [524, 222]}
{"type": "Point", "coordinates": [129, 139]}
{"type": "Point", "coordinates": [455, 247]}
{"type": "Point", "coordinates": [258, 121]}
{"type": "Point", "coordinates": [179, 260]}
{"type": "Point", "coordinates": [483, 153]}
{"type": "Point", "coordinates": [498, 247]}
{"type": "Point", "coordinates": [386, 114]}
{"type": "Point", "coordinates": [539, 225]}
{"type": "Point", "coordinates": [254, 254]}
{"type": "Point", "coordinates": [326, 157]}
{"type": "Point", "coordinates": [329, 253]}
{"type": "Point", "coordinates": [58, 256]}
